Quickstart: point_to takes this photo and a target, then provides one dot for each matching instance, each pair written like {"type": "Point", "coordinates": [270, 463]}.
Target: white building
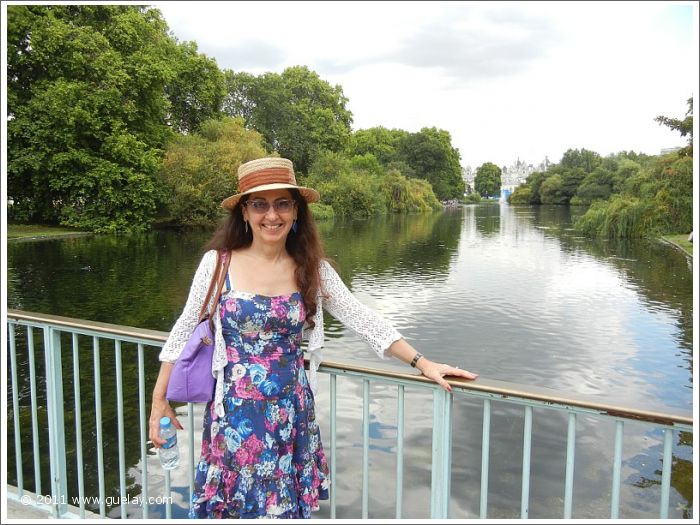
{"type": "Point", "coordinates": [511, 176]}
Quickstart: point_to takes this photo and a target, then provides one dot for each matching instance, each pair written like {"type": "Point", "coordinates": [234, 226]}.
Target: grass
{"type": "Point", "coordinates": [35, 231]}
{"type": "Point", "coordinates": [681, 240]}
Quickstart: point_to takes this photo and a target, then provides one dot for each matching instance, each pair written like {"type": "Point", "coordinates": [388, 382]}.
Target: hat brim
{"type": "Point", "coordinates": [309, 195]}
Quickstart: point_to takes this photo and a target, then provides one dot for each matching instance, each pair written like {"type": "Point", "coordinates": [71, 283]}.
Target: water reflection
{"type": "Point", "coordinates": [509, 292]}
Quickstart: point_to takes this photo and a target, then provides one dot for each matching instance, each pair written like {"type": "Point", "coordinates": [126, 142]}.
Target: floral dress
{"type": "Point", "coordinates": [264, 458]}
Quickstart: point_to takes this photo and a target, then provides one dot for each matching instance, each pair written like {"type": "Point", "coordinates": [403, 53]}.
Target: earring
{"type": "Point", "coordinates": [294, 226]}
{"type": "Point", "coordinates": [246, 226]}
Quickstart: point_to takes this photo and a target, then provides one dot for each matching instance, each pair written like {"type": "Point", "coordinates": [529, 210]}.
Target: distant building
{"type": "Point", "coordinates": [468, 176]}
{"type": "Point", "coordinates": [666, 151]}
{"type": "Point", "coordinates": [511, 176]}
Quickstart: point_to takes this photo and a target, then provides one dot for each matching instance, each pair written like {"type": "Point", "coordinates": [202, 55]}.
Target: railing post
{"type": "Point", "coordinates": [442, 446]}
{"type": "Point", "coordinates": [57, 434]}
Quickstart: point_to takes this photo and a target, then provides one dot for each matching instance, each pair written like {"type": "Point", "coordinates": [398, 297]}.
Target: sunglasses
{"type": "Point", "coordinates": [262, 206]}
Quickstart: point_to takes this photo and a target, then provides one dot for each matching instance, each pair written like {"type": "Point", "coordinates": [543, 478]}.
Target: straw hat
{"type": "Point", "coordinates": [269, 173]}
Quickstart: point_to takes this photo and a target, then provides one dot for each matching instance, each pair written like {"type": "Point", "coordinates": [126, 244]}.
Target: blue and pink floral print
{"type": "Point", "coordinates": [264, 458]}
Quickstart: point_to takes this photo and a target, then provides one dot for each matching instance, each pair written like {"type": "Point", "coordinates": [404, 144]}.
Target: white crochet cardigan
{"type": "Point", "coordinates": [334, 297]}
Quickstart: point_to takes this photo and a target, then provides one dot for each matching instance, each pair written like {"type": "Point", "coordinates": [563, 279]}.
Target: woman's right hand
{"type": "Point", "coordinates": [160, 408]}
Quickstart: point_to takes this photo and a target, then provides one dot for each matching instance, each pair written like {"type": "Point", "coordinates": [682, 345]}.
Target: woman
{"type": "Point", "coordinates": [261, 449]}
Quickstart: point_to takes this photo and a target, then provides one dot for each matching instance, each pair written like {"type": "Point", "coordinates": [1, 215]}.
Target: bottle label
{"type": "Point", "coordinates": [170, 442]}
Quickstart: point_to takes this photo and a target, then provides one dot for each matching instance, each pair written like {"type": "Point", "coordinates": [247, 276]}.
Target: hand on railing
{"type": "Point", "coordinates": [401, 349]}
{"type": "Point", "coordinates": [160, 408]}
{"type": "Point", "coordinates": [437, 371]}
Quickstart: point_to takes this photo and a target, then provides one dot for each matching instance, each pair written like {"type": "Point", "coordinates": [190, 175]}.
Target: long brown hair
{"type": "Point", "coordinates": [304, 246]}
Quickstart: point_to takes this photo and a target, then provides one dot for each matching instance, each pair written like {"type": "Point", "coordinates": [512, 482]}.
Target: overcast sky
{"type": "Point", "coordinates": [507, 80]}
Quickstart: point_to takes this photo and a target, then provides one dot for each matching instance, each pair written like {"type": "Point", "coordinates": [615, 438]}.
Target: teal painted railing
{"type": "Point", "coordinates": [106, 338]}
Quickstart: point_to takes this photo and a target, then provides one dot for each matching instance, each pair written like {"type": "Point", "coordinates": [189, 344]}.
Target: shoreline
{"type": "Point", "coordinates": [676, 246]}
{"type": "Point", "coordinates": [38, 232]}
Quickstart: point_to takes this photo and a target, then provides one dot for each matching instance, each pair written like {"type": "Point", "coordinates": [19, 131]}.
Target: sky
{"type": "Point", "coordinates": [507, 80]}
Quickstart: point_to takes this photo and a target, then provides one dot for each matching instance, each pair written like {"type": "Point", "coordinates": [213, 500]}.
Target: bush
{"type": "Point", "coordinates": [352, 195]}
{"type": "Point", "coordinates": [620, 218]}
{"type": "Point", "coordinates": [321, 212]}
{"type": "Point", "coordinates": [521, 195]}
{"type": "Point", "coordinates": [474, 198]}
{"type": "Point", "coordinates": [404, 195]}
{"type": "Point", "coordinates": [199, 170]}
{"type": "Point", "coordinates": [362, 187]}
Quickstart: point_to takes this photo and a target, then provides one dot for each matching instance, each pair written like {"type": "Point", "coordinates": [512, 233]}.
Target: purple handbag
{"type": "Point", "coordinates": [191, 379]}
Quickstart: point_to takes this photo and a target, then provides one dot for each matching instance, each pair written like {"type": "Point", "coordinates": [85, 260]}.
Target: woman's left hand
{"type": "Point", "coordinates": [437, 371]}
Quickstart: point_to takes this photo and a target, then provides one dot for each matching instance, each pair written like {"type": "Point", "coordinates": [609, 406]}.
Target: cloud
{"type": "Point", "coordinates": [506, 79]}
{"type": "Point", "coordinates": [466, 44]}
{"type": "Point", "coordinates": [247, 55]}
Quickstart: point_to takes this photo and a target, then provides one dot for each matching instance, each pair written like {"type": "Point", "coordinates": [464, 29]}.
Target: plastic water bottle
{"type": "Point", "coordinates": [169, 453]}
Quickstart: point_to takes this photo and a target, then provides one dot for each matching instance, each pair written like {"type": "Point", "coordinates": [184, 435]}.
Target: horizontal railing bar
{"type": "Point", "coordinates": [84, 326]}
{"type": "Point", "coordinates": [490, 387]}
{"type": "Point", "coordinates": [500, 389]}
{"type": "Point", "coordinates": [91, 333]}
{"type": "Point", "coordinates": [548, 405]}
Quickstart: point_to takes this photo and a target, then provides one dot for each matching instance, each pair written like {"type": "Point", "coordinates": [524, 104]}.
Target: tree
{"type": "Point", "coordinates": [583, 158]}
{"type": "Point", "coordinates": [89, 113]}
{"type": "Point", "coordinates": [551, 191]}
{"type": "Point", "coordinates": [239, 98]}
{"type": "Point", "coordinates": [199, 169]}
{"type": "Point", "coordinates": [487, 180]}
{"type": "Point", "coordinates": [521, 195]}
{"type": "Point", "coordinates": [432, 157]}
{"type": "Point", "coordinates": [197, 90]}
{"type": "Point", "coordinates": [379, 141]}
{"type": "Point", "coordinates": [297, 113]}
{"type": "Point", "coordinates": [571, 179]}
{"type": "Point", "coordinates": [685, 127]}
{"type": "Point", "coordinates": [535, 180]}
{"type": "Point", "coordinates": [597, 185]}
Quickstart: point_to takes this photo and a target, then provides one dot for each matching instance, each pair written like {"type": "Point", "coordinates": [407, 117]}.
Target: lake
{"type": "Point", "coordinates": [512, 293]}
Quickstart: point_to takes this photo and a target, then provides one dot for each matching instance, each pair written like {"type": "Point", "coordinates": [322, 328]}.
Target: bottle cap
{"type": "Point", "coordinates": [165, 421]}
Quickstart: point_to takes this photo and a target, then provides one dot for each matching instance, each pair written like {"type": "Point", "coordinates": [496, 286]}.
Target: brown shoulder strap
{"type": "Point", "coordinates": [217, 283]}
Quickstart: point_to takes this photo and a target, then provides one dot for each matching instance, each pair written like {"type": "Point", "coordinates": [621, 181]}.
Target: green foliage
{"type": "Point", "coordinates": [551, 191]}
{"type": "Point", "coordinates": [473, 198]}
{"type": "Point", "coordinates": [488, 179]}
{"type": "Point", "coordinates": [352, 194]}
{"type": "Point", "coordinates": [327, 166]}
{"type": "Point", "coordinates": [672, 184]}
{"type": "Point", "coordinates": [197, 91]}
{"type": "Point", "coordinates": [361, 187]}
{"type": "Point", "coordinates": [426, 155]}
{"type": "Point", "coordinates": [535, 180]}
{"type": "Point", "coordinates": [626, 169]}
{"type": "Point", "coordinates": [297, 113]}
{"type": "Point", "coordinates": [431, 155]}
{"type": "Point", "coordinates": [379, 141]}
{"type": "Point", "coordinates": [199, 170]}
{"type": "Point", "coordinates": [577, 186]}
{"type": "Point", "coordinates": [521, 195]}
{"type": "Point", "coordinates": [367, 163]}
{"type": "Point", "coordinates": [596, 186]}
{"type": "Point", "coordinates": [403, 195]}
{"type": "Point", "coordinates": [656, 199]}
{"type": "Point", "coordinates": [685, 127]}
{"type": "Point", "coordinates": [571, 179]}
{"type": "Point", "coordinates": [621, 218]}
{"type": "Point", "coordinates": [322, 212]}
{"type": "Point", "coordinates": [583, 158]}
{"type": "Point", "coordinates": [89, 113]}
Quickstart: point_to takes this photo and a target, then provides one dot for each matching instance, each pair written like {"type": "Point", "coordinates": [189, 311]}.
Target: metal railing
{"type": "Point", "coordinates": [59, 330]}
